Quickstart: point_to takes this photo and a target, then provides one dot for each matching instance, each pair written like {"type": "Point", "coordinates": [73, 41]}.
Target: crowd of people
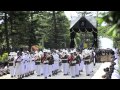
{"type": "Point", "coordinates": [50, 62]}
{"type": "Point", "coordinates": [113, 71]}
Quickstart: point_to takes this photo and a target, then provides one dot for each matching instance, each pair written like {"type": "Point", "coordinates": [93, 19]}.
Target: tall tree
{"type": "Point", "coordinates": [6, 30]}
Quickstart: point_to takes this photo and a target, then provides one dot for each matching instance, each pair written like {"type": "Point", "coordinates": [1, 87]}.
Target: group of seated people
{"type": "Point", "coordinates": [112, 72]}
{"type": "Point", "coordinates": [109, 71]}
{"type": "Point", "coordinates": [3, 69]}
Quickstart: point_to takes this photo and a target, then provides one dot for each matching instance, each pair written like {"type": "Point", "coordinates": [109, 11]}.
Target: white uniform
{"type": "Point", "coordinates": [32, 64]}
{"type": "Point", "coordinates": [56, 61]}
{"type": "Point", "coordinates": [72, 66]}
{"type": "Point", "coordinates": [37, 63]}
{"type": "Point", "coordinates": [87, 66]}
{"type": "Point", "coordinates": [65, 65]}
{"type": "Point", "coordinates": [45, 68]}
{"type": "Point", "coordinates": [115, 75]}
{"type": "Point", "coordinates": [23, 65]}
{"type": "Point", "coordinates": [28, 63]}
{"type": "Point", "coordinates": [41, 64]}
{"type": "Point", "coordinates": [81, 63]}
{"type": "Point", "coordinates": [12, 65]}
{"type": "Point", "coordinates": [18, 66]}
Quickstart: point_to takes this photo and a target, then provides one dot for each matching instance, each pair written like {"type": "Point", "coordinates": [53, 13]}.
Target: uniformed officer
{"type": "Point", "coordinates": [51, 62]}
{"type": "Point", "coordinates": [78, 60]}
{"type": "Point", "coordinates": [56, 62]}
{"type": "Point", "coordinates": [45, 64]}
{"type": "Point", "coordinates": [18, 65]}
{"type": "Point", "coordinates": [37, 63]}
{"type": "Point", "coordinates": [12, 57]}
{"type": "Point", "coordinates": [82, 62]}
{"type": "Point", "coordinates": [72, 63]}
{"type": "Point", "coordinates": [86, 57]}
{"type": "Point", "coordinates": [65, 64]}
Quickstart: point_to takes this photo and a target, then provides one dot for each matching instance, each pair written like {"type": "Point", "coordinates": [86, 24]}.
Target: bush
{"type": "Point", "coordinates": [4, 57]}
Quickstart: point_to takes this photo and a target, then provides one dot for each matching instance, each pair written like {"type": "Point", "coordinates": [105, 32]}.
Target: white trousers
{"type": "Point", "coordinates": [22, 67]}
{"type": "Point", "coordinates": [38, 69]}
{"type": "Point", "coordinates": [45, 70]}
{"type": "Point", "coordinates": [33, 65]}
{"type": "Point", "coordinates": [11, 68]}
{"type": "Point", "coordinates": [77, 69]}
{"type": "Point", "coordinates": [26, 67]}
{"type": "Point", "coordinates": [56, 65]}
{"type": "Point", "coordinates": [65, 68]}
{"type": "Point", "coordinates": [50, 69]}
{"type": "Point", "coordinates": [82, 65]}
{"type": "Point", "coordinates": [91, 67]}
{"type": "Point", "coordinates": [18, 69]}
{"type": "Point", "coordinates": [94, 61]}
{"type": "Point", "coordinates": [72, 70]}
{"type": "Point", "coordinates": [115, 76]}
{"type": "Point", "coordinates": [87, 68]}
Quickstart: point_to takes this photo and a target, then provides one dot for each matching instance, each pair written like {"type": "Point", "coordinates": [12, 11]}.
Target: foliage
{"type": "Point", "coordinates": [27, 28]}
{"type": "Point", "coordinates": [113, 19]}
{"type": "Point", "coordinates": [4, 57]}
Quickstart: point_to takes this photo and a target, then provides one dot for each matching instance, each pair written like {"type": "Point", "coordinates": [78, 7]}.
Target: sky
{"type": "Point", "coordinates": [70, 13]}
{"type": "Point", "coordinates": [74, 14]}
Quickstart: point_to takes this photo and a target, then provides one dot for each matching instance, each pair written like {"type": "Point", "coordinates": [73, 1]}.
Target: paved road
{"type": "Point", "coordinates": [59, 76]}
{"type": "Point", "coordinates": [100, 72]}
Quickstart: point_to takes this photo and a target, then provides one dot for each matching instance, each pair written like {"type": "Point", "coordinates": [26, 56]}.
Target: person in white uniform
{"type": "Point", "coordinates": [37, 62]}
{"type": "Point", "coordinates": [41, 64]}
{"type": "Point", "coordinates": [86, 57]}
{"type": "Point", "coordinates": [81, 63]}
{"type": "Point", "coordinates": [56, 62]}
{"type": "Point", "coordinates": [51, 61]}
{"type": "Point", "coordinates": [65, 64]}
{"type": "Point", "coordinates": [12, 63]}
{"type": "Point", "coordinates": [18, 66]}
{"type": "Point", "coordinates": [78, 60]}
{"type": "Point", "coordinates": [72, 63]}
{"type": "Point", "coordinates": [45, 64]}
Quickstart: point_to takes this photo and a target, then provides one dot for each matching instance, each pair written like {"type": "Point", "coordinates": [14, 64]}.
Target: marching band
{"type": "Point", "coordinates": [50, 62]}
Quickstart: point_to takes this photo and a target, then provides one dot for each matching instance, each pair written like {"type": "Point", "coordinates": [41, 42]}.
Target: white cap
{"type": "Point", "coordinates": [71, 52]}
{"type": "Point", "coordinates": [44, 50]}
{"type": "Point", "coordinates": [48, 51]}
{"type": "Point", "coordinates": [13, 53]}
{"type": "Point", "coordinates": [57, 51]}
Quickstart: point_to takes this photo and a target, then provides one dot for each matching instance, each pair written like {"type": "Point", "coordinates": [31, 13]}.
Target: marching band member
{"type": "Point", "coordinates": [41, 64]}
{"type": "Point", "coordinates": [64, 58]}
{"type": "Point", "coordinates": [45, 63]}
{"type": "Point", "coordinates": [37, 63]}
{"type": "Point", "coordinates": [82, 62]}
{"type": "Point", "coordinates": [32, 63]}
{"type": "Point", "coordinates": [12, 64]}
{"type": "Point", "coordinates": [56, 62]}
{"type": "Point", "coordinates": [72, 63]}
{"type": "Point", "coordinates": [51, 61]}
{"type": "Point", "coordinates": [86, 57]}
{"type": "Point", "coordinates": [91, 61]}
{"type": "Point", "coordinates": [78, 60]}
{"type": "Point", "coordinates": [18, 65]}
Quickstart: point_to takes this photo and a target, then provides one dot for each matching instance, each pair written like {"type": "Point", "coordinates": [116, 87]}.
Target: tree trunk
{"type": "Point", "coordinates": [6, 32]}
{"type": "Point", "coordinates": [11, 28]}
{"type": "Point", "coordinates": [55, 30]}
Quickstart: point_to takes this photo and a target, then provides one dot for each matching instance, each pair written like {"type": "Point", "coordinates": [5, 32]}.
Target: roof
{"type": "Point", "coordinates": [89, 19]}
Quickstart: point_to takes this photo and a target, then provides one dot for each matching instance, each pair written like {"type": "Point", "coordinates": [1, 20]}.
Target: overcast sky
{"type": "Point", "coordinates": [74, 14]}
